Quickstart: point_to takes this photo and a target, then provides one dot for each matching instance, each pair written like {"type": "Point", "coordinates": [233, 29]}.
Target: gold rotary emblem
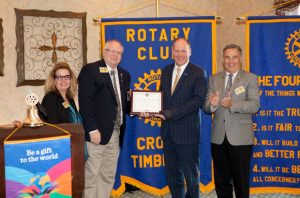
{"type": "Point", "coordinates": [150, 82]}
{"type": "Point", "coordinates": [292, 49]}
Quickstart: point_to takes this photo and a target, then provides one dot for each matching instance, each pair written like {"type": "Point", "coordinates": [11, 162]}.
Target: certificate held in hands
{"type": "Point", "coordinates": [146, 101]}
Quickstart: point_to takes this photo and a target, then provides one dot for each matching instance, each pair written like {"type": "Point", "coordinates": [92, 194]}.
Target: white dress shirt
{"type": "Point", "coordinates": [227, 76]}
{"type": "Point", "coordinates": [182, 68]}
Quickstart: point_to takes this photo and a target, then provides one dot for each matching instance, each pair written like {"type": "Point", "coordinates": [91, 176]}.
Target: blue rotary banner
{"type": "Point", "coordinates": [273, 46]}
{"type": "Point", "coordinates": [147, 49]}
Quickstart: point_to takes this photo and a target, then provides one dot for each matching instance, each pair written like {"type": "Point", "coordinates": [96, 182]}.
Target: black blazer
{"type": "Point", "coordinates": [181, 109]}
{"type": "Point", "coordinates": [56, 112]}
{"type": "Point", "coordinates": [97, 100]}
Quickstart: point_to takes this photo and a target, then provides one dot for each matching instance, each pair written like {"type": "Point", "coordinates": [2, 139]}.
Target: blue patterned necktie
{"type": "Point", "coordinates": [228, 85]}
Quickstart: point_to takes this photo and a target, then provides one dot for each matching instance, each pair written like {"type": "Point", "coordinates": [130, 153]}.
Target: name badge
{"type": "Point", "coordinates": [239, 90]}
{"type": "Point", "coordinates": [66, 104]}
{"type": "Point", "coordinates": [103, 69]}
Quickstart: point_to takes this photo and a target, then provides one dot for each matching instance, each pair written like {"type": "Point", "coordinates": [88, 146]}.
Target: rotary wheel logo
{"type": "Point", "coordinates": [293, 48]}
{"type": "Point", "coordinates": [150, 82]}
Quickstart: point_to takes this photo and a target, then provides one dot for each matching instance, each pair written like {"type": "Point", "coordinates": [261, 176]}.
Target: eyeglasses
{"type": "Point", "coordinates": [66, 77]}
{"type": "Point", "coordinates": [114, 52]}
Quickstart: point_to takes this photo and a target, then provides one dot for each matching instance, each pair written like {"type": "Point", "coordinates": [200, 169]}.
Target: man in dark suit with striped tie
{"type": "Point", "coordinates": [103, 87]}
{"type": "Point", "coordinates": [184, 88]}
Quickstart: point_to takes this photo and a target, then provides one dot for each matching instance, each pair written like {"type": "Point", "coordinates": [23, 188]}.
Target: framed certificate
{"type": "Point", "coordinates": [146, 101]}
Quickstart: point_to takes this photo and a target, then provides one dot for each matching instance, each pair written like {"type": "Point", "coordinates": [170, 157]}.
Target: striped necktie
{"type": "Point", "coordinates": [118, 118]}
{"type": "Point", "coordinates": [228, 85]}
{"type": "Point", "coordinates": [176, 80]}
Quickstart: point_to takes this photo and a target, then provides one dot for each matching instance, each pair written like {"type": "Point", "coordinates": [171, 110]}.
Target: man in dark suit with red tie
{"type": "Point", "coordinates": [103, 87]}
{"type": "Point", "coordinates": [184, 88]}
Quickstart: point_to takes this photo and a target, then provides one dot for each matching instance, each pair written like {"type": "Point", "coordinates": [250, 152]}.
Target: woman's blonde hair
{"type": "Point", "coordinates": [50, 85]}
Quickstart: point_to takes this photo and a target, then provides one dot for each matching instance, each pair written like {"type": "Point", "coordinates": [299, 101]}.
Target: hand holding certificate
{"type": "Point", "coordinates": [146, 101]}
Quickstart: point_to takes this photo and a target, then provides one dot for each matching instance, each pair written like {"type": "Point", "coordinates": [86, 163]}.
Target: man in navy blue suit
{"type": "Point", "coordinates": [103, 87]}
{"type": "Point", "coordinates": [184, 88]}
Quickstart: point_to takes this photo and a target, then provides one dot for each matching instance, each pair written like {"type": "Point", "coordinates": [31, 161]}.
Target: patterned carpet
{"type": "Point", "coordinates": [141, 194]}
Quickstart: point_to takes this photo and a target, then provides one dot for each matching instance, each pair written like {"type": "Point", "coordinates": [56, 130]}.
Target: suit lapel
{"type": "Point", "coordinates": [121, 82]}
{"type": "Point", "coordinates": [106, 75]}
{"type": "Point", "coordinates": [221, 84]}
{"type": "Point", "coordinates": [237, 80]}
{"type": "Point", "coordinates": [168, 80]}
{"type": "Point", "coordinates": [183, 77]}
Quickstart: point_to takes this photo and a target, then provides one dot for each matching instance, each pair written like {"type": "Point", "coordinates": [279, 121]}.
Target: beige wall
{"type": "Point", "coordinates": [229, 31]}
{"type": "Point", "coordinates": [12, 105]}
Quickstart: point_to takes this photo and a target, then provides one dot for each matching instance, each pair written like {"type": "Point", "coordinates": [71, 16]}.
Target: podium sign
{"type": "Point", "coordinates": [38, 167]}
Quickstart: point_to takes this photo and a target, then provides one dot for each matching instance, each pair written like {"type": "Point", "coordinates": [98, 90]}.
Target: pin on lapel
{"type": "Point", "coordinates": [66, 104]}
{"type": "Point", "coordinates": [121, 77]}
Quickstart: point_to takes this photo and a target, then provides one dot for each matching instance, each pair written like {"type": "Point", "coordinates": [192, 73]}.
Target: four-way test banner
{"type": "Point", "coordinates": [273, 46]}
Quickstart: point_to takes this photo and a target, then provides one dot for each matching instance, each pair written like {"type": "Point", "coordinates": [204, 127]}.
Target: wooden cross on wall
{"type": "Point", "coordinates": [45, 48]}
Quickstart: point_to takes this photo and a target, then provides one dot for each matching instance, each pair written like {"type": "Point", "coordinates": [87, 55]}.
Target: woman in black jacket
{"type": "Point", "coordinates": [60, 90]}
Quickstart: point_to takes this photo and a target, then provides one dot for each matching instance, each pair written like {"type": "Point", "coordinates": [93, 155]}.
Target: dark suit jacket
{"type": "Point", "coordinates": [97, 100]}
{"type": "Point", "coordinates": [56, 112]}
{"type": "Point", "coordinates": [181, 109]}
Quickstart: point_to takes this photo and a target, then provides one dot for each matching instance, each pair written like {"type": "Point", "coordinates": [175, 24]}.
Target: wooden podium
{"type": "Point", "coordinates": [77, 151]}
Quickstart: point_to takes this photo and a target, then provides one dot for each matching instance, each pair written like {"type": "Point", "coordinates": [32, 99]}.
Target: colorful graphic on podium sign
{"type": "Point", "coordinates": [38, 168]}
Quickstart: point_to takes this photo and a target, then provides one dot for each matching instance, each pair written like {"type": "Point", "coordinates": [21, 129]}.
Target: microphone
{"type": "Point", "coordinates": [42, 112]}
